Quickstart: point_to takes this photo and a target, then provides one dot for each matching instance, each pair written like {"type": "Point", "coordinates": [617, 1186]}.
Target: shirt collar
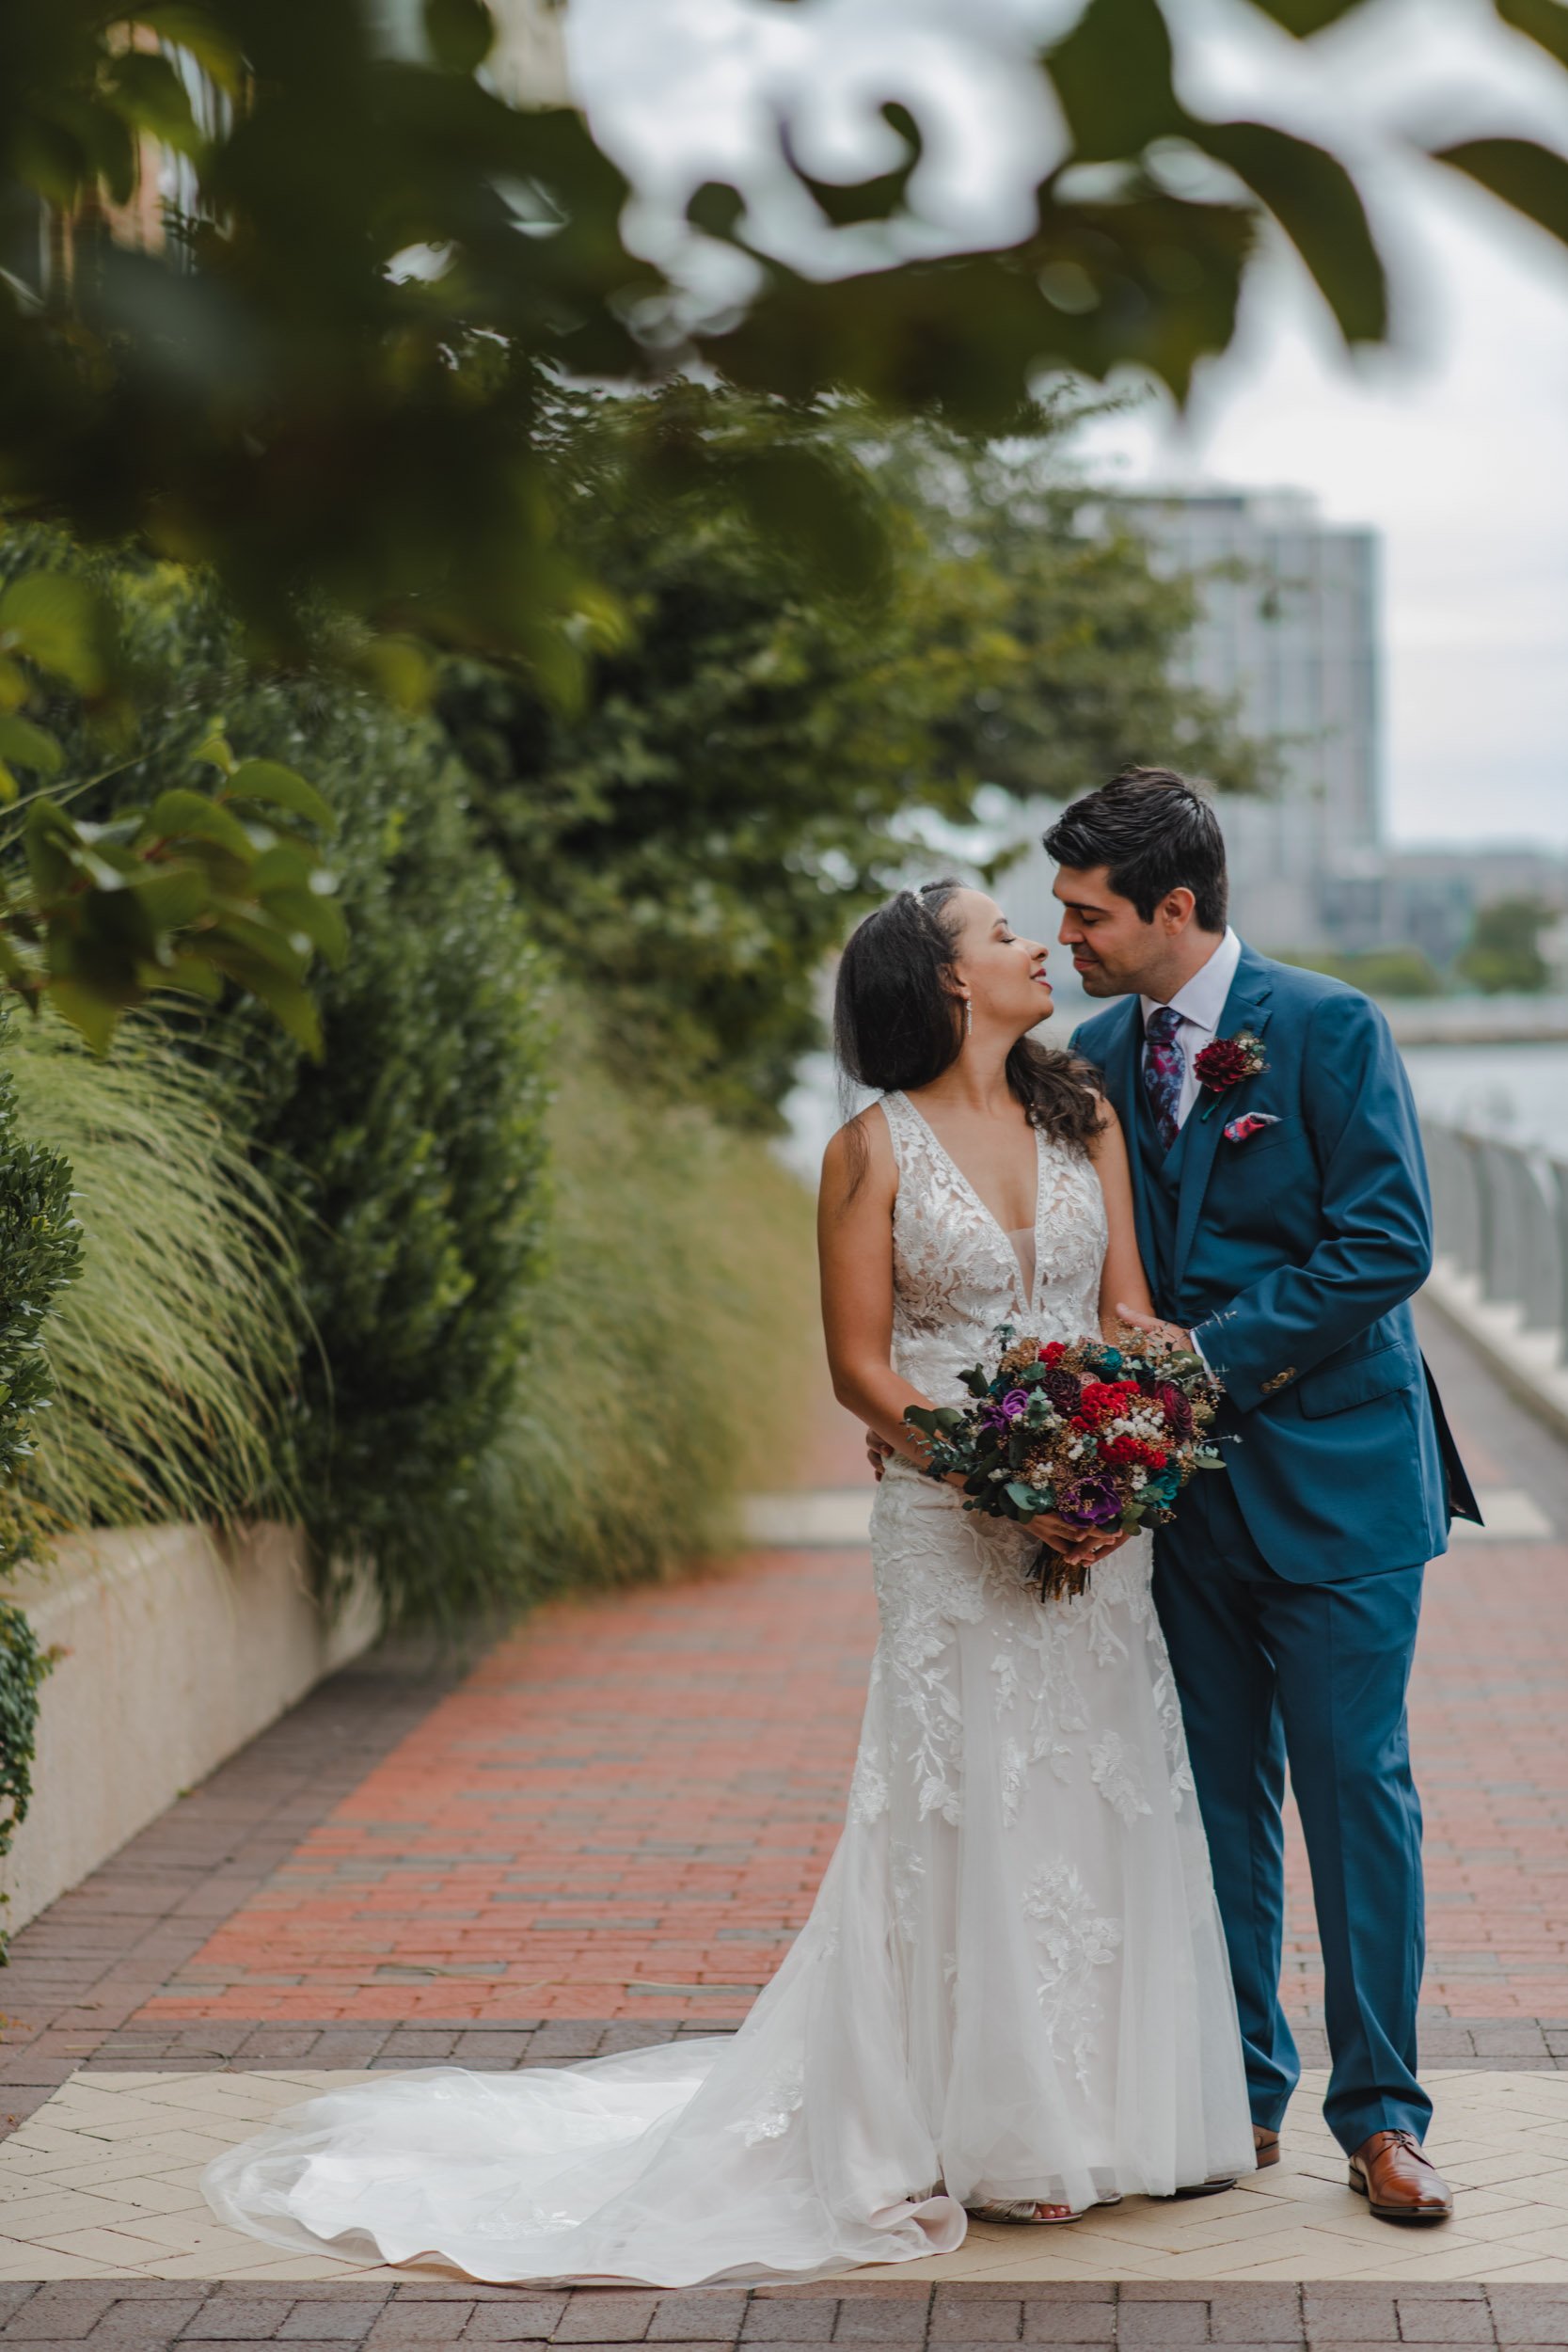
{"type": "Point", "coordinates": [1200, 1001]}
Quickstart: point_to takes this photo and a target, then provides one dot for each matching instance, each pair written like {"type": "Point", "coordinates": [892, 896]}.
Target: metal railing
{"type": "Point", "coordinates": [1501, 1213]}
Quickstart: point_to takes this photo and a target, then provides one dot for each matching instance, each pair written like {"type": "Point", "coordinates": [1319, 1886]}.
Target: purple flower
{"type": "Point", "coordinates": [1089, 1502]}
{"type": "Point", "coordinates": [1004, 1410]}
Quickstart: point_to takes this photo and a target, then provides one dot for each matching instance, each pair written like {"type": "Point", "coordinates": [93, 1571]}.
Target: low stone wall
{"type": "Point", "coordinates": [180, 1645]}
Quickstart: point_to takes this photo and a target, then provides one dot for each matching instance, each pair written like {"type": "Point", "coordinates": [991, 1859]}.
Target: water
{"type": "Point", "coordinates": [1519, 1092]}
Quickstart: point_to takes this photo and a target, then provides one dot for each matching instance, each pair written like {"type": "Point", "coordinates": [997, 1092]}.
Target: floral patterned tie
{"type": "Point", "coordinates": [1164, 1067]}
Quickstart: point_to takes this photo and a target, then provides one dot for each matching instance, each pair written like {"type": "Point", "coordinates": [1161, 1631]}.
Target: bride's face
{"type": "Point", "coordinates": [1001, 973]}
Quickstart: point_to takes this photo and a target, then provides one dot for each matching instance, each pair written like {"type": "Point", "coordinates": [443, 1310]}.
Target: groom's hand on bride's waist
{"type": "Point", "coordinates": [878, 1452]}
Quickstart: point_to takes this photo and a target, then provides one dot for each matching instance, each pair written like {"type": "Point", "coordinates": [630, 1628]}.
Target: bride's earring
{"type": "Point", "coordinates": [969, 1016]}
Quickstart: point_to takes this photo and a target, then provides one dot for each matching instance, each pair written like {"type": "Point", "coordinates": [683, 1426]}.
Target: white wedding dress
{"type": "Point", "coordinates": [1012, 1985]}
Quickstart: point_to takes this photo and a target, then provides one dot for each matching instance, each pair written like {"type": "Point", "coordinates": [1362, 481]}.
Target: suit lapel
{"type": "Point", "coordinates": [1245, 1007]}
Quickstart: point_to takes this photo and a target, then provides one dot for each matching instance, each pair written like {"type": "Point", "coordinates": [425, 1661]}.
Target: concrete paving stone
{"type": "Point", "coordinates": [400, 2324]}
{"type": "Point", "coordinates": [1528, 2314]}
{"type": "Point", "coordinates": [238, 2318]}
{"type": "Point", "coordinates": [1256, 2314]}
{"type": "Point", "coordinates": [703, 2314]}
{"type": "Point", "coordinates": [1424, 2320]}
{"type": "Point", "coordinates": [495, 2323]}
{"type": "Point", "coordinates": [796, 2321]}
{"type": "Point", "coordinates": [1162, 2323]}
{"type": "Point", "coordinates": [341, 2320]}
{"type": "Point", "coordinates": [65, 2310]}
{"type": "Point", "coordinates": [1346, 2314]}
{"type": "Point", "coordinates": [127, 2323]}
{"type": "Point", "coordinates": [975, 2317]}
{"type": "Point", "coordinates": [613, 2317]}
{"type": "Point", "coordinates": [1067, 2322]}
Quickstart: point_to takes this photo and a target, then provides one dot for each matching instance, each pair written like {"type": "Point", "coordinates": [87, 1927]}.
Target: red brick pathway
{"type": "Point", "coordinates": [624, 1813]}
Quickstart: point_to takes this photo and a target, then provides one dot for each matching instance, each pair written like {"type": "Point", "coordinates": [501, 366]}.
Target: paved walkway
{"type": "Point", "coordinates": [608, 1830]}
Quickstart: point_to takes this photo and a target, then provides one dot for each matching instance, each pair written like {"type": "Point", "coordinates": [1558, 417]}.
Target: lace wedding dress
{"type": "Point", "coordinates": [1012, 1985]}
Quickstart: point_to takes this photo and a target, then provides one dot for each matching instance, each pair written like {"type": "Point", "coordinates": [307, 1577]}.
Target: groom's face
{"type": "Point", "coordinates": [1114, 952]}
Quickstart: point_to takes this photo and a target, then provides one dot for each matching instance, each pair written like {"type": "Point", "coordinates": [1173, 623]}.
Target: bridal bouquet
{"type": "Point", "coordinates": [1105, 1435]}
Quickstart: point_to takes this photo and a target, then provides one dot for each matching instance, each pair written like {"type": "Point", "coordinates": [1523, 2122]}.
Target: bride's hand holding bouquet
{"type": "Point", "coordinates": [1093, 1438]}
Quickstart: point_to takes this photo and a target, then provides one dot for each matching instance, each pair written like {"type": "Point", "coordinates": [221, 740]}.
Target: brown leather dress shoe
{"type": "Point", "coordinates": [1398, 2181]}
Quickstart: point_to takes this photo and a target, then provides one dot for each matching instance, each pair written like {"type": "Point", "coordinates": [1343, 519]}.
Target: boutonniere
{"type": "Point", "coordinates": [1225, 1063]}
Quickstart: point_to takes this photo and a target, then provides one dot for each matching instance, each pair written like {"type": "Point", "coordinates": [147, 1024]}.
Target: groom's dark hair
{"type": "Point", "coordinates": [1155, 833]}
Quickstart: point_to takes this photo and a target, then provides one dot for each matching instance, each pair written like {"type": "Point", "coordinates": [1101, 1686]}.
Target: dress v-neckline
{"type": "Point", "coordinates": [1026, 1284]}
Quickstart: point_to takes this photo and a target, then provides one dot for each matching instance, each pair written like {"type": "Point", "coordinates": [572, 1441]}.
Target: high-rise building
{"type": "Point", "coordinates": [1289, 630]}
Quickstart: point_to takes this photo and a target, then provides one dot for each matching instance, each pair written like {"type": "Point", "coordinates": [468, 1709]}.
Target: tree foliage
{"type": "Point", "coordinates": [194, 889]}
{"type": "Point", "coordinates": [1503, 951]}
{"type": "Point", "coordinates": [755, 758]}
{"type": "Point", "coordinates": [323, 378]}
{"type": "Point", "coordinates": [405, 1166]}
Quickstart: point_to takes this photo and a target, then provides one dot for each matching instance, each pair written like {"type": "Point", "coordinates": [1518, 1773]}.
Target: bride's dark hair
{"type": "Point", "coordinates": [898, 1020]}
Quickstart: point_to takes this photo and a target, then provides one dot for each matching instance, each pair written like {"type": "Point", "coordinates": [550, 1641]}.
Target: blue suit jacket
{"type": "Point", "coordinates": [1297, 1253]}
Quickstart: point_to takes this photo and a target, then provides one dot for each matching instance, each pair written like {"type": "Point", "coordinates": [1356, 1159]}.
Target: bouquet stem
{"type": "Point", "coordinates": [1059, 1579]}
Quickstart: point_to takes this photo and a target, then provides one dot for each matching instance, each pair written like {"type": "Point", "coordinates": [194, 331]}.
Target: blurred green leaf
{"type": "Point", "coordinates": [815, 510]}
{"type": "Point", "coordinates": [268, 781]}
{"type": "Point", "coordinates": [217, 751]}
{"type": "Point", "coordinates": [1545, 22]}
{"type": "Point", "coordinates": [846, 204]}
{"type": "Point", "coordinates": [193, 974]}
{"type": "Point", "coordinates": [1534, 179]}
{"type": "Point", "coordinates": [1315, 202]}
{"type": "Point", "coordinates": [319, 919]}
{"type": "Point", "coordinates": [1112, 76]}
{"type": "Point", "coordinates": [178, 815]}
{"type": "Point", "coordinates": [461, 33]}
{"type": "Point", "coordinates": [170, 900]}
{"type": "Point", "coordinates": [400, 668]}
{"type": "Point", "coordinates": [93, 1016]}
{"type": "Point", "coordinates": [23, 745]}
{"type": "Point", "coordinates": [201, 34]}
{"type": "Point", "coordinates": [152, 98]}
{"type": "Point", "coordinates": [58, 622]}
{"type": "Point", "coordinates": [1304, 17]}
{"type": "Point", "coordinates": [717, 209]}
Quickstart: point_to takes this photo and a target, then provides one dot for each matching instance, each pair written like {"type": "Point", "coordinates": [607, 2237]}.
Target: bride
{"type": "Point", "coordinates": [1011, 1998]}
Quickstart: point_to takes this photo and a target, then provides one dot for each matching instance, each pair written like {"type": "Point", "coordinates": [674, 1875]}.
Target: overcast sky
{"type": "Point", "coordinates": [1455, 445]}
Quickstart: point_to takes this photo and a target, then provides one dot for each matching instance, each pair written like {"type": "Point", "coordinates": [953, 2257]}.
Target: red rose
{"type": "Point", "coordinates": [1227, 1062]}
{"type": "Point", "coordinates": [1102, 1397]}
{"type": "Point", "coordinates": [1052, 1351]}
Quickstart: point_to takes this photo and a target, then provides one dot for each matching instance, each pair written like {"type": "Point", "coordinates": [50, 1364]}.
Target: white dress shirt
{"type": "Point", "coordinates": [1200, 1001]}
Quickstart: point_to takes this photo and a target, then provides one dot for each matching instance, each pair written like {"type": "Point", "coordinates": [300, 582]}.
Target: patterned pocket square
{"type": "Point", "coordinates": [1250, 1123]}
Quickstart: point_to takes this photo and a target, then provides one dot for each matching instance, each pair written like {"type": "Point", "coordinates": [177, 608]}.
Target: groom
{"type": "Point", "coordinates": [1284, 1222]}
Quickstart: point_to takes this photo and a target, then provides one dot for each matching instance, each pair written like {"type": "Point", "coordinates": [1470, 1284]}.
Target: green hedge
{"type": "Point", "coordinates": [39, 1256]}
{"type": "Point", "coordinates": [533, 1347]}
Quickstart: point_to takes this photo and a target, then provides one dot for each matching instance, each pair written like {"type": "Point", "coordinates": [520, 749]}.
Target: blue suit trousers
{"type": "Point", "coordinates": [1271, 1670]}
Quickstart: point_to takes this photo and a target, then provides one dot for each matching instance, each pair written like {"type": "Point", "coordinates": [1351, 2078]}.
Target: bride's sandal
{"type": "Point", "coordinates": [1031, 2213]}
